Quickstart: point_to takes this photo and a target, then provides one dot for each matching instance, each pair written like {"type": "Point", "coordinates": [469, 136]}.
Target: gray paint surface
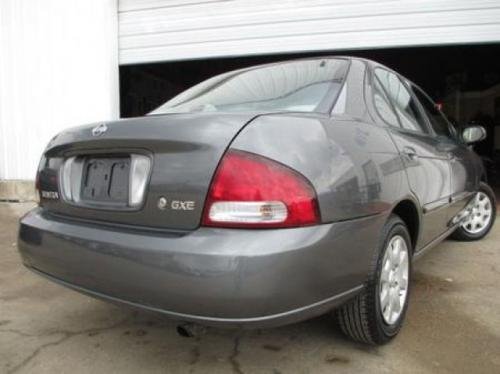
{"type": "Point", "coordinates": [206, 274]}
{"type": "Point", "coordinates": [46, 329]}
{"type": "Point", "coordinates": [183, 164]}
{"type": "Point", "coordinates": [164, 261]}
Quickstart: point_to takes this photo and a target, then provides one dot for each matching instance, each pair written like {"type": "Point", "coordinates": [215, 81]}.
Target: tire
{"type": "Point", "coordinates": [363, 318]}
{"type": "Point", "coordinates": [466, 232]}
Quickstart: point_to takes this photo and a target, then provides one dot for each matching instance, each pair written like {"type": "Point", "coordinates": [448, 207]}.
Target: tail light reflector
{"type": "Point", "coordinates": [253, 191]}
{"type": "Point", "coordinates": [41, 165]}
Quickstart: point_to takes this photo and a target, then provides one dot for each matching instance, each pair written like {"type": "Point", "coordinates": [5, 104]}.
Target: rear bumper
{"type": "Point", "coordinates": [245, 278]}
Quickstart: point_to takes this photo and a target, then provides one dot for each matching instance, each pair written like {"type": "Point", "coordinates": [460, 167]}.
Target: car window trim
{"type": "Point", "coordinates": [369, 91]}
{"type": "Point", "coordinates": [323, 103]}
{"type": "Point", "coordinates": [436, 135]}
{"type": "Point", "coordinates": [389, 102]}
{"type": "Point", "coordinates": [408, 84]}
{"type": "Point", "coordinates": [402, 81]}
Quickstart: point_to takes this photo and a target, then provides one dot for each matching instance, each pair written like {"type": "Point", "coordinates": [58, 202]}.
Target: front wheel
{"type": "Point", "coordinates": [376, 315]}
{"type": "Point", "coordinates": [482, 217]}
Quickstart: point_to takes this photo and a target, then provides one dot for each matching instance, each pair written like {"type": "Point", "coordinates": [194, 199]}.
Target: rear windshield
{"type": "Point", "coordinates": [303, 86]}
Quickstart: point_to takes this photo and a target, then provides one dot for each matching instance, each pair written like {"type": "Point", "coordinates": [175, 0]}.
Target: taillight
{"type": "Point", "coordinates": [37, 182]}
{"type": "Point", "coordinates": [253, 191]}
{"type": "Point", "coordinates": [41, 165]}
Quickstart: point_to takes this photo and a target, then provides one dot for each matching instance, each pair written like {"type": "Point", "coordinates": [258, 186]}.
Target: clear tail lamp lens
{"type": "Point", "coordinates": [139, 172]}
{"type": "Point", "coordinates": [248, 211]}
{"type": "Point", "coordinates": [65, 179]}
{"type": "Point", "coordinates": [70, 178]}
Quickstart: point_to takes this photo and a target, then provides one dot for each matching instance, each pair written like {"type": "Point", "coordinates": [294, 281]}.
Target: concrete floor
{"type": "Point", "coordinates": [453, 325]}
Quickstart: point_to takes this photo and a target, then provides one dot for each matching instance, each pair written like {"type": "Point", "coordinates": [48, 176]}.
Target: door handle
{"type": "Point", "coordinates": [410, 152]}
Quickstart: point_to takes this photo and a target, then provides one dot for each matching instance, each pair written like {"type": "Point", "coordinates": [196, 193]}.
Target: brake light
{"type": "Point", "coordinates": [37, 182]}
{"type": "Point", "coordinates": [253, 191]}
{"type": "Point", "coordinates": [41, 165]}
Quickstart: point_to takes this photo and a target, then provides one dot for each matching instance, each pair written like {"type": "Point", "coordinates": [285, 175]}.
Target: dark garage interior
{"type": "Point", "coordinates": [464, 80]}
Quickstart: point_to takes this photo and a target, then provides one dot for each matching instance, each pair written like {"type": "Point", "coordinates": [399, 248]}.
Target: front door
{"type": "Point", "coordinates": [464, 181]}
{"type": "Point", "coordinates": [427, 163]}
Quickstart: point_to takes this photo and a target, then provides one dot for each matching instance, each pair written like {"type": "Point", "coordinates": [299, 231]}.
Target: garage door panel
{"type": "Point", "coordinates": [132, 5]}
{"type": "Point", "coordinates": [324, 26]}
{"type": "Point", "coordinates": [162, 20]}
{"type": "Point", "coordinates": [196, 8]}
{"type": "Point", "coordinates": [201, 29]}
{"type": "Point", "coordinates": [339, 41]}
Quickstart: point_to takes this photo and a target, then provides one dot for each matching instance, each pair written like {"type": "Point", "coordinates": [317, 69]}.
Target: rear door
{"type": "Point", "coordinates": [427, 164]}
{"type": "Point", "coordinates": [464, 178]}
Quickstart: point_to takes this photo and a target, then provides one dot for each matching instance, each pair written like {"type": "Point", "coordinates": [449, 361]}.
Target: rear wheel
{"type": "Point", "coordinates": [376, 315]}
{"type": "Point", "coordinates": [481, 220]}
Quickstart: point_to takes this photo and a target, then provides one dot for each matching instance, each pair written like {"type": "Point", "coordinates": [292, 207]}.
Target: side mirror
{"type": "Point", "coordinates": [473, 134]}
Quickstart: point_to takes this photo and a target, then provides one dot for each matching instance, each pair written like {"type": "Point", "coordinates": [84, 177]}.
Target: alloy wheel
{"type": "Point", "coordinates": [393, 286]}
{"type": "Point", "coordinates": [480, 217]}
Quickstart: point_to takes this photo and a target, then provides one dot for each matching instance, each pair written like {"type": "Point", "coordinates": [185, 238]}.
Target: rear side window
{"type": "Point", "coordinates": [410, 117]}
{"type": "Point", "coordinates": [438, 122]}
{"type": "Point", "coordinates": [382, 105]}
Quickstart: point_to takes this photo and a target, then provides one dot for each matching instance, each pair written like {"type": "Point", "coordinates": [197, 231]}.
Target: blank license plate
{"type": "Point", "coordinates": [106, 180]}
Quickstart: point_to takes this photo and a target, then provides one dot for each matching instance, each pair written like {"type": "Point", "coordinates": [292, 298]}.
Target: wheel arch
{"type": "Point", "coordinates": [407, 210]}
{"type": "Point", "coordinates": [483, 177]}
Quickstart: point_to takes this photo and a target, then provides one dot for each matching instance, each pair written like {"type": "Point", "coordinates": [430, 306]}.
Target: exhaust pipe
{"type": "Point", "coordinates": [190, 330]}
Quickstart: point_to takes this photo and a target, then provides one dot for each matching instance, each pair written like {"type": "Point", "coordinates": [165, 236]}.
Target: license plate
{"type": "Point", "coordinates": [106, 180]}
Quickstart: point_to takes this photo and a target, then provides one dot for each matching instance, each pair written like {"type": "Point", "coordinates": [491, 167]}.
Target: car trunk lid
{"type": "Point", "coordinates": [179, 155]}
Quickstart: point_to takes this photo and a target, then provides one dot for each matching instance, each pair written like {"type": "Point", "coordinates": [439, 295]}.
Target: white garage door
{"type": "Point", "coordinates": [166, 30]}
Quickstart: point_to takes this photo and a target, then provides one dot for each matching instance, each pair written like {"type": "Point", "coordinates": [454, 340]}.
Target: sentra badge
{"type": "Point", "coordinates": [52, 195]}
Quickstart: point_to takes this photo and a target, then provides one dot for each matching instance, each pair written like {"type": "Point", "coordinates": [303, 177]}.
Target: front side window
{"type": "Point", "coordinates": [405, 105]}
{"type": "Point", "coordinates": [438, 122]}
{"type": "Point", "coordinates": [304, 86]}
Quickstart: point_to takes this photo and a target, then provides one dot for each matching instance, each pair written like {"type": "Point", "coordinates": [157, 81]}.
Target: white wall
{"type": "Point", "coordinates": [155, 30]}
{"type": "Point", "coordinates": [58, 68]}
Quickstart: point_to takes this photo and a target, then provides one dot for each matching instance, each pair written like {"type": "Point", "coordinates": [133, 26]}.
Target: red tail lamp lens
{"type": "Point", "coordinates": [253, 191]}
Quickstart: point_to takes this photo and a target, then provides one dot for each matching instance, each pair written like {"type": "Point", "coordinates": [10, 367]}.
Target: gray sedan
{"type": "Point", "coordinates": [262, 197]}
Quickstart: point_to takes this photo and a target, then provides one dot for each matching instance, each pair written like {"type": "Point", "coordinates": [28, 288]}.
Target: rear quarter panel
{"type": "Point", "coordinates": [354, 166]}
